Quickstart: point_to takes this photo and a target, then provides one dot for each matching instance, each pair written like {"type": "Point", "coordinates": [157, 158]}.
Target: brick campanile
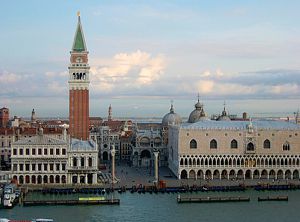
{"type": "Point", "coordinates": [79, 87]}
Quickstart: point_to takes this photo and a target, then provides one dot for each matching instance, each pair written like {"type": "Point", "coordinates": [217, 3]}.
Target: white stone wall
{"type": "Point", "coordinates": [83, 166]}
{"type": "Point", "coordinates": [41, 167]}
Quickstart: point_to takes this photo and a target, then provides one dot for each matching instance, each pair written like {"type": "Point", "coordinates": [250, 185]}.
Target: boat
{"type": "Point", "coordinates": [42, 220]}
{"type": "Point", "coordinates": [9, 195]}
{"type": "Point", "coordinates": [34, 220]}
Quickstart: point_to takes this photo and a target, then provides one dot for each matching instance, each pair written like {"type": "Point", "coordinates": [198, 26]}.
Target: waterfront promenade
{"type": "Point", "coordinates": [133, 176]}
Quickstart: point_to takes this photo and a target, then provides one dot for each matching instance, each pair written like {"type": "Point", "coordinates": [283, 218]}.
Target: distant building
{"type": "Point", "coordinates": [95, 122]}
{"type": "Point", "coordinates": [126, 146]}
{"type": "Point", "coordinates": [10, 135]}
{"type": "Point", "coordinates": [147, 138]}
{"type": "Point", "coordinates": [7, 136]}
{"type": "Point", "coordinates": [33, 116]}
{"type": "Point", "coordinates": [4, 117]}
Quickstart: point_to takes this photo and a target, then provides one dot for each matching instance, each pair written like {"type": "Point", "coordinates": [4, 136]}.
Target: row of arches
{"type": "Point", "coordinates": [213, 144]}
{"type": "Point", "coordinates": [41, 179]}
{"type": "Point", "coordinates": [239, 174]}
{"type": "Point", "coordinates": [79, 76]}
{"type": "Point", "coordinates": [147, 142]}
{"type": "Point", "coordinates": [239, 161]}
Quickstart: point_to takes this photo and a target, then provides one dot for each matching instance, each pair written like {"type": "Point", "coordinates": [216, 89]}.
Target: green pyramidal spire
{"type": "Point", "coordinates": [79, 43]}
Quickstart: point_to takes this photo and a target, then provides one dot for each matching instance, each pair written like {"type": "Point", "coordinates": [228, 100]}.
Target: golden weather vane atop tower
{"type": "Point", "coordinates": [78, 13]}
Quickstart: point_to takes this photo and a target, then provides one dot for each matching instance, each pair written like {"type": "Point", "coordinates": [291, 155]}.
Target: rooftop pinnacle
{"type": "Point", "coordinates": [79, 42]}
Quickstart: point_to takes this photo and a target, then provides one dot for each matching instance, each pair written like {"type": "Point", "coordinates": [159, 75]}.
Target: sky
{"type": "Point", "coordinates": [143, 54]}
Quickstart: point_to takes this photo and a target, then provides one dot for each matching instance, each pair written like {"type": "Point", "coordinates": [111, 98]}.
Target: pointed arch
{"type": "Point", "coordinates": [234, 144]}
{"type": "Point", "coordinates": [183, 174]}
{"type": "Point", "coordinates": [267, 144]}
{"type": "Point", "coordinates": [193, 144]}
{"type": "Point", "coordinates": [216, 174]}
{"type": "Point", "coordinates": [213, 144]}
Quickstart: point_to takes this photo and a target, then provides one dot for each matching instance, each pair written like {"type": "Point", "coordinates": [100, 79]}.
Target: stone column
{"type": "Point", "coordinates": [113, 152]}
{"type": "Point", "coordinates": [86, 161]}
{"type": "Point", "coordinates": [78, 162]}
{"type": "Point", "coordinates": [156, 166]}
{"type": "Point", "coordinates": [94, 178]}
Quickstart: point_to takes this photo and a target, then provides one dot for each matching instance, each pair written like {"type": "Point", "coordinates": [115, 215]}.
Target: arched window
{"type": "Point", "coordinates": [267, 144]}
{"type": "Point", "coordinates": [234, 144]}
{"type": "Point", "coordinates": [193, 144]}
{"type": "Point", "coordinates": [250, 147]}
{"type": "Point", "coordinates": [286, 146]}
{"type": "Point", "coordinates": [181, 162]}
{"type": "Point", "coordinates": [213, 144]}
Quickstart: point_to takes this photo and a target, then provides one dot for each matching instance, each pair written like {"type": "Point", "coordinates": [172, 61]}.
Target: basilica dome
{"type": "Point", "coordinates": [171, 118]}
{"type": "Point", "coordinates": [224, 116]}
{"type": "Point", "coordinates": [198, 113]}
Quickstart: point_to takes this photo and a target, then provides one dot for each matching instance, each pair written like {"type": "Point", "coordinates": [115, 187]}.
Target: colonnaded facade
{"type": "Point", "coordinates": [83, 162]}
{"type": "Point", "coordinates": [225, 149]}
{"type": "Point", "coordinates": [40, 159]}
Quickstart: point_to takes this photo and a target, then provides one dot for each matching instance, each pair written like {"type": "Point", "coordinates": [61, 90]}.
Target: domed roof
{"type": "Point", "coordinates": [224, 116]}
{"type": "Point", "coordinates": [198, 113]}
{"type": "Point", "coordinates": [171, 118]}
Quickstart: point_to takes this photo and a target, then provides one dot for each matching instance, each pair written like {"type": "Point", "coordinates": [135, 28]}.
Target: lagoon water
{"type": "Point", "coordinates": [164, 207]}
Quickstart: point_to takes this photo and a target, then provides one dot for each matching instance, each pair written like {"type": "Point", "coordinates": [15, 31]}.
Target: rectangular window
{"type": "Point", "coordinates": [27, 165]}
{"type": "Point", "coordinates": [15, 167]}
{"type": "Point", "coordinates": [63, 166]}
{"type": "Point", "coordinates": [57, 167]}
{"type": "Point", "coordinates": [27, 152]}
{"type": "Point", "coordinates": [40, 151]}
{"type": "Point", "coordinates": [51, 166]}
{"type": "Point", "coordinates": [57, 151]}
{"type": "Point", "coordinates": [51, 151]}
{"type": "Point", "coordinates": [45, 152]}
{"type": "Point", "coordinates": [33, 151]}
{"type": "Point", "coordinates": [21, 167]}
{"type": "Point", "coordinates": [21, 152]}
{"type": "Point", "coordinates": [63, 151]}
{"type": "Point", "coordinates": [45, 167]}
{"type": "Point", "coordinates": [39, 167]}
{"type": "Point", "coordinates": [33, 167]}
{"type": "Point", "coordinates": [15, 152]}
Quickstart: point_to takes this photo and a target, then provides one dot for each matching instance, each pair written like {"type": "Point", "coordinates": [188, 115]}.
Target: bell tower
{"type": "Point", "coordinates": [79, 87]}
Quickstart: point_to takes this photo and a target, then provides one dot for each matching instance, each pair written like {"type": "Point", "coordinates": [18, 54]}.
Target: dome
{"type": "Point", "coordinates": [197, 114]}
{"type": "Point", "coordinates": [224, 116]}
{"type": "Point", "coordinates": [171, 118]}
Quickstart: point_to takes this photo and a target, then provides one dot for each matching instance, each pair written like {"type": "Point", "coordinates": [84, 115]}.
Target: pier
{"type": "Point", "coordinates": [71, 202]}
{"type": "Point", "coordinates": [277, 198]}
{"type": "Point", "coordinates": [211, 199]}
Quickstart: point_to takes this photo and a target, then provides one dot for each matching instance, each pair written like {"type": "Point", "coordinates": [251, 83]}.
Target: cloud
{"type": "Point", "coordinates": [6, 77]}
{"type": "Point", "coordinates": [56, 87]}
{"type": "Point", "coordinates": [126, 71]}
{"type": "Point", "coordinates": [260, 84]}
{"type": "Point", "coordinates": [50, 74]}
{"type": "Point", "coordinates": [205, 86]}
